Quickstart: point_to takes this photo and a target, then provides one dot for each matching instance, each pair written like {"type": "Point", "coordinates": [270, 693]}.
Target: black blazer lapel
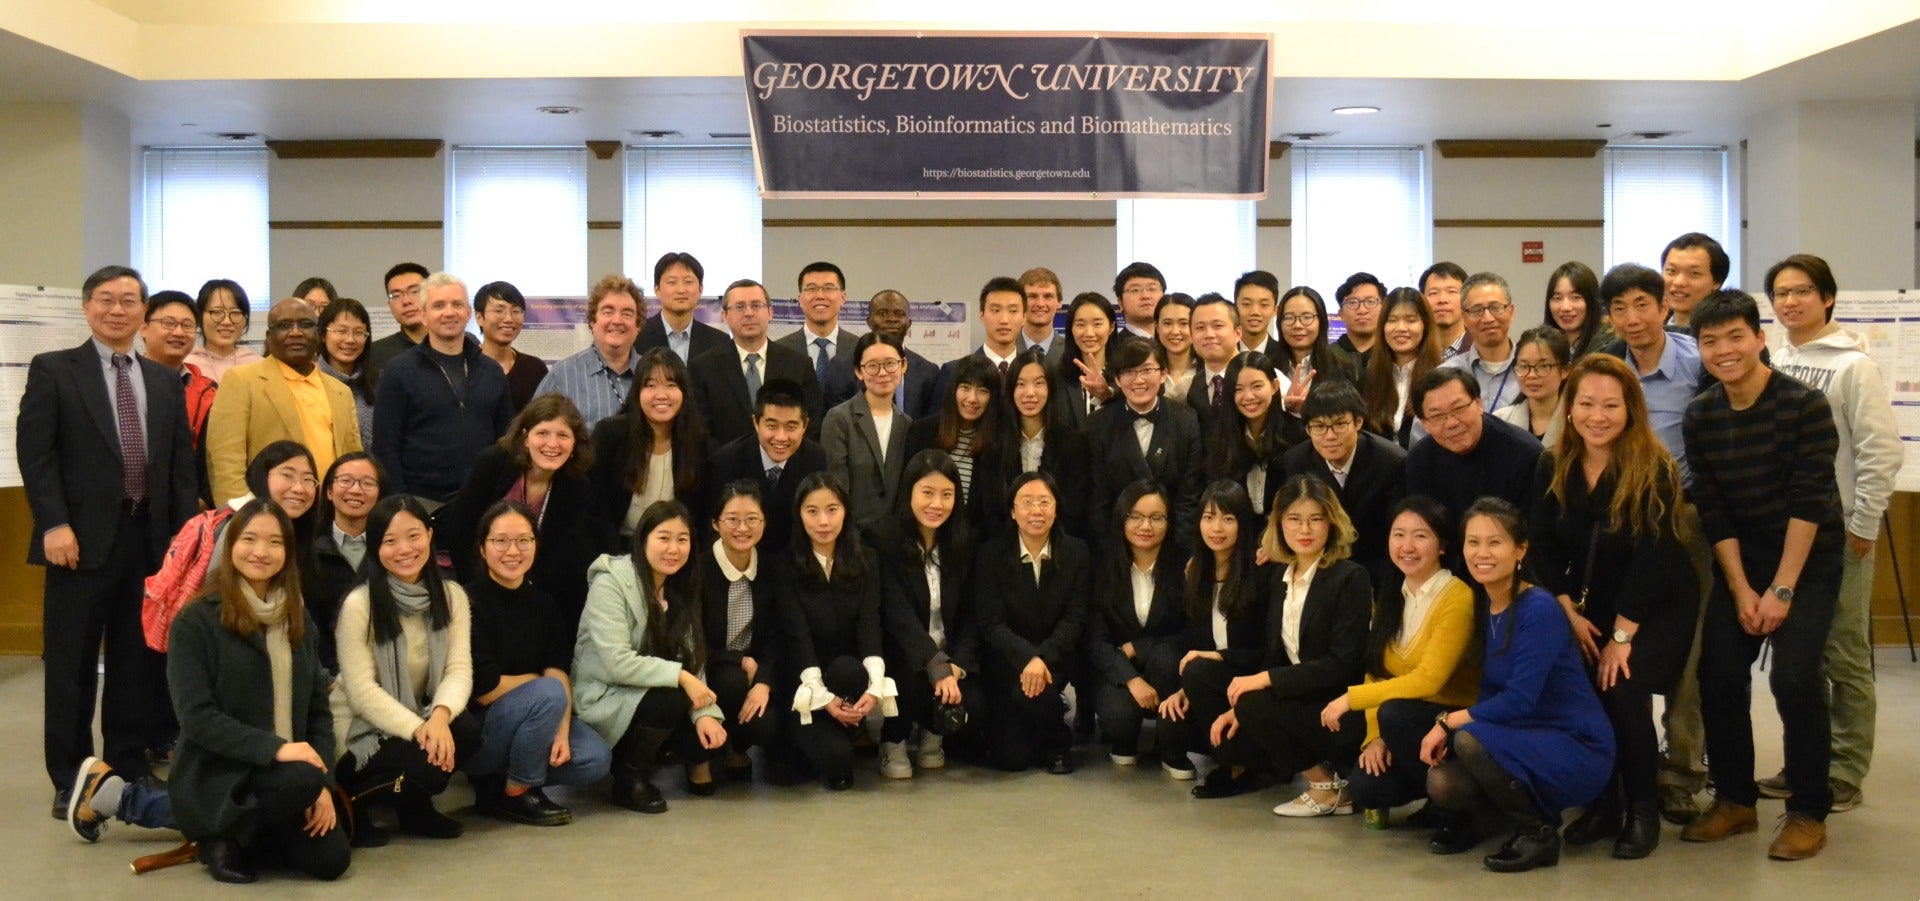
{"type": "Point", "coordinates": [93, 389]}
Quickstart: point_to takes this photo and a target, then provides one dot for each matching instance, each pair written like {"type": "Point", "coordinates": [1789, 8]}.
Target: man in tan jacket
{"type": "Point", "coordinates": [284, 396]}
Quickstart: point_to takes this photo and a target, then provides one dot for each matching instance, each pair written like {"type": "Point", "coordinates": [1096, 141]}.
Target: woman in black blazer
{"type": "Point", "coordinates": [1251, 435]}
{"type": "Point", "coordinates": [1030, 591]}
{"type": "Point", "coordinates": [831, 611]}
{"type": "Point", "coordinates": [652, 450]}
{"type": "Point", "coordinates": [971, 427]}
{"type": "Point", "coordinates": [541, 462]}
{"type": "Point", "coordinates": [1092, 330]}
{"type": "Point", "coordinates": [250, 775]}
{"type": "Point", "coordinates": [742, 631]}
{"type": "Point", "coordinates": [932, 642]}
{"type": "Point", "coordinates": [1137, 630]}
{"type": "Point", "coordinates": [1226, 625]}
{"type": "Point", "coordinates": [1043, 439]}
{"type": "Point", "coordinates": [1317, 615]}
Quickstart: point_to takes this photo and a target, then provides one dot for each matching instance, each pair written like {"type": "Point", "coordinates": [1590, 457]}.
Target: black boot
{"type": "Point", "coordinates": [634, 759]}
{"type": "Point", "coordinates": [1535, 844]}
{"type": "Point", "coordinates": [1642, 832]}
{"type": "Point", "coordinates": [225, 861]}
{"type": "Point", "coordinates": [418, 817]}
{"type": "Point", "coordinates": [1601, 820]}
{"type": "Point", "coordinates": [1454, 831]}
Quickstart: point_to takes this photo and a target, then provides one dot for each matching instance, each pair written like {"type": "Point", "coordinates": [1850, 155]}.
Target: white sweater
{"type": "Point", "coordinates": [1836, 362]}
{"type": "Point", "coordinates": [354, 636]}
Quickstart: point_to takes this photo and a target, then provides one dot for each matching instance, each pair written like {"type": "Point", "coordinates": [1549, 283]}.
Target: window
{"type": "Point", "coordinates": [205, 215]}
{"type": "Point", "coordinates": [1359, 209]}
{"type": "Point", "coordinates": [1199, 245]}
{"type": "Point", "coordinates": [519, 214]}
{"type": "Point", "coordinates": [698, 200]}
{"type": "Point", "coordinates": [1656, 194]}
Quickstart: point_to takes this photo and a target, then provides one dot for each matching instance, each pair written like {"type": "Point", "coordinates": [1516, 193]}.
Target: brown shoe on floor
{"type": "Point", "coordinates": [1799, 838]}
{"type": "Point", "coordinates": [1724, 819]}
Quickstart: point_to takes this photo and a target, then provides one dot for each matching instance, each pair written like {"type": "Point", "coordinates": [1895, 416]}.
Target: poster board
{"type": "Point", "coordinates": [33, 319]}
{"type": "Point", "coordinates": [1890, 323]}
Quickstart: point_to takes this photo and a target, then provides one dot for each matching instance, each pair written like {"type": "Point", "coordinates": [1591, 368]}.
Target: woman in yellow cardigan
{"type": "Point", "coordinates": [1418, 665]}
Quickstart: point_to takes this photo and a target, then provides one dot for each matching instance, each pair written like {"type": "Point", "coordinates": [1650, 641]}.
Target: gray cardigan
{"type": "Point", "coordinates": [612, 670]}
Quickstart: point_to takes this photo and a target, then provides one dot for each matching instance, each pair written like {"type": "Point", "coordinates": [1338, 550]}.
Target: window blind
{"type": "Point", "coordinates": [1199, 245]}
{"type": "Point", "coordinates": [1656, 194]}
{"type": "Point", "coordinates": [205, 217]}
{"type": "Point", "coordinates": [1359, 209]}
{"type": "Point", "coordinates": [698, 200]}
{"type": "Point", "coordinates": [519, 214]}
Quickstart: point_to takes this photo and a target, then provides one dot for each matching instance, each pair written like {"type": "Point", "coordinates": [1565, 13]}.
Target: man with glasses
{"type": "Point", "coordinates": [283, 397]}
{"type": "Point", "coordinates": [106, 460]}
{"type": "Point", "coordinates": [823, 291]}
{"type": "Point", "coordinates": [1467, 454]}
{"type": "Point", "coordinates": [728, 379]}
{"type": "Point", "coordinates": [403, 300]}
{"type": "Point", "coordinates": [1367, 472]}
{"type": "Point", "coordinates": [1359, 299]}
{"type": "Point", "coordinates": [1487, 304]}
{"type": "Point", "coordinates": [1146, 437]}
{"type": "Point", "coordinates": [1441, 285]}
{"type": "Point", "coordinates": [677, 280]}
{"type": "Point", "coordinates": [1138, 288]}
{"type": "Point", "coordinates": [1256, 295]}
{"type": "Point", "coordinates": [440, 403]}
{"type": "Point", "coordinates": [598, 378]}
{"type": "Point", "coordinates": [889, 314]}
{"type": "Point", "coordinates": [168, 338]}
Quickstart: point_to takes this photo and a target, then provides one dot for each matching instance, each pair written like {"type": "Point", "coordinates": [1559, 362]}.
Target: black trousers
{"type": "Point", "coordinates": [1205, 682]}
{"type": "Point", "coordinates": [1403, 724]}
{"type": "Point", "coordinates": [1636, 761]}
{"type": "Point", "coordinates": [1284, 736]}
{"type": "Point", "coordinates": [82, 608]}
{"type": "Point", "coordinates": [1123, 719]}
{"type": "Point", "coordinates": [919, 706]}
{"type": "Point", "coordinates": [402, 758]}
{"type": "Point", "coordinates": [1021, 729]}
{"type": "Point", "coordinates": [282, 793]}
{"type": "Point", "coordinates": [661, 710]}
{"type": "Point", "coordinates": [1799, 687]}
{"type": "Point", "coordinates": [730, 684]}
{"type": "Point", "coordinates": [827, 745]}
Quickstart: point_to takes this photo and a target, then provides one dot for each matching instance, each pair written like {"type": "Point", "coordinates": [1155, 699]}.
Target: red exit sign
{"type": "Point", "coordinates": [1533, 251]}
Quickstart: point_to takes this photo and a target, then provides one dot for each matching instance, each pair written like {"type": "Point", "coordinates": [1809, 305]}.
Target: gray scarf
{"type": "Point", "coordinates": [390, 665]}
{"type": "Point", "coordinates": [272, 614]}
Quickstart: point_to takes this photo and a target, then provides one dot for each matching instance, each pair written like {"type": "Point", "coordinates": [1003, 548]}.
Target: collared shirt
{"type": "Point", "coordinates": [353, 548]}
{"type": "Point", "coordinates": [1298, 584]}
{"type": "Point", "coordinates": [1341, 472]}
{"type": "Point", "coordinates": [591, 383]}
{"type": "Point", "coordinates": [1669, 388]}
{"type": "Point", "coordinates": [826, 563]}
{"type": "Point", "coordinates": [997, 360]}
{"type": "Point", "coordinates": [767, 462]}
{"type": "Point", "coordinates": [1142, 592]}
{"type": "Point", "coordinates": [1046, 346]}
{"type": "Point", "coordinates": [1260, 348]}
{"type": "Point", "coordinates": [813, 342]}
{"type": "Point", "coordinates": [1026, 556]}
{"type": "Point", "coordinates": [1499, 385]}
{"type": "Point", "coordinates": [680, 342]}
{"type": "Point", "coordinates": [1143, 431]}
{"type": "Point", "coordinates": [936, 624]}
{"type": "Point", "coordinates": [1458, 347]}
{"type": "Point", "coordinates": [1219, 619]}
{"type": "Point", "coordinates": [316, 414]}
{"type": "Point", "coordinates": [139, 386]}
{"type": "Point", "coordinates": [1138, 332]}
{"type": "Point", "coordinates": [731, 573]}
{"type": "Point", "coordinates": [1032, 450]}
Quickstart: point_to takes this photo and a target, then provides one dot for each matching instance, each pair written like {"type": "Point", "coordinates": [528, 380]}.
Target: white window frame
{"type": "Point", "coordinates": [518, 214]}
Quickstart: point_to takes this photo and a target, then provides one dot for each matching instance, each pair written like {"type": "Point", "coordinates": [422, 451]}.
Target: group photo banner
{"type": "Point", "coordinates": [888, 114]}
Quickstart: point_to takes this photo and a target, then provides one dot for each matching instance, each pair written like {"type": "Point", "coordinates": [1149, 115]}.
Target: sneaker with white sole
{"type": "Point", "coordinates": [893, 760]}
{"type": "Point", "coordinates": [1120, 759]}
{"type": "Point", "coordinates": [1774, 786]}
{"type": "Point", "coordinates": [932, 754]}
{"type": "Point", "coordinates": [1177, 773]}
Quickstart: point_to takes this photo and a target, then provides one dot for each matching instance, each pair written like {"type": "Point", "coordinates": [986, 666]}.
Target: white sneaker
{"type": "Point", "coordinates": [1176, 773]}
{"type": "Point", "coordinates": [1122, 759]}
{"type": "Point", "coordinates": [893, 760]}
{"type": "Point", "coordinates": [932, 755]}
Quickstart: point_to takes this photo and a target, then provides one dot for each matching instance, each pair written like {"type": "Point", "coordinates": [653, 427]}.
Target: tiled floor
{"type": "Point", "coordinates": [963, 833]}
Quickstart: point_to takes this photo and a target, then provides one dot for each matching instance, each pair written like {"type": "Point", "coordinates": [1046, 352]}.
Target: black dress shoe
{"type": "Point", "coordinates": [636, 792]}
{"type": "Point", "coordinates": [1532, 846]}
{"type": "Point", "coordinates": [742, 770]}
{"type": "Point", "coordinates": [62, 798]}
{"type": "Point", "coordinates": [1642, 832]}
{"type": "Point", "coordinates": [1601, 820]}
{"type": "Point", "coordinates": [1221, 783]}
{"type": "Point", "coordinates": [531, 807]}
{"type": "Point", "coordinates": [1061, 763]}
{"type": "Point", "coordinates": [839, 783]}
{"type": "Point", "coordinates": [418, 817]}
{"type": "Point", "coordinates": [225, 862]}
{"type": "Point", "coordinates": [1455, 835]}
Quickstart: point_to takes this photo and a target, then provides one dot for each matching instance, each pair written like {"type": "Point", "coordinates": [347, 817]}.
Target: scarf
{"type": "Point", "coordinates": [272, 614]}
{"type": "Point", "coordinates": [390, 658]}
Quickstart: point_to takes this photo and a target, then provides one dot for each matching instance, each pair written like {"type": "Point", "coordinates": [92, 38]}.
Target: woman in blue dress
{"type": "Point", "coordinates": [1538, 741]}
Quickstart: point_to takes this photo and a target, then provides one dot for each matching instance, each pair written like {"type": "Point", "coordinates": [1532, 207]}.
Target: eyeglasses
{"type": "Point", "coordinates": [743, 522]}
{"type": "Point", "coordinates": [1037, 504]}
{"type": "Point", "coordinates": [226, 315]}
{"type": "Point", "coordinates": [1149, 371]}
{"type": "Point", "coordinates": [523, 543]}
{"type": "Point", "coordinates": [1364, 303]}
{"type": "Point", "coordinates": [294, 325]}
{"type": "Point", "coordinates": [1296, 521]}
{"type": "Point", "coordinates": [882, 367]}
{"type": "Point", "coordinates": [414, 291]}
{"type": "Point", "coordinates": [1137, 290]}
{"type": "Point", "coordinates": [348, 332]}
{"type": "Point", "coordinates": [1487, 309]}
{"type": "Point", "coordinates": [1320, 428]}
{"type": "Point", "coordinates": [173, 325]}
{"type": "Point", "coordinates": [1535, 368]}
{"type": "Point", "coordinates": [307, 482]}
{"type": "Point", "coordinates": [1435, 420]}
{"type": "Point", "coordinates": [123, 303]}
{"type": "Point", "coordinates": [1152, 519]}
{"type": "Point", "coordinates": [1798, 292]}
{"type": "Point", "coordinates": [345, 482]}
{"type": "Point", "coordinates": [1300, 319]}
{"type": "Point", "coordinates": [819, 289]}
{"type": "Point", "coordinates": [749, 307]}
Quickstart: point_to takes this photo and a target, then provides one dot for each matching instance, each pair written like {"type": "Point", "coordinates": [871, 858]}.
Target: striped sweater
{"type": "Point", "coordinates": [1754, 469]}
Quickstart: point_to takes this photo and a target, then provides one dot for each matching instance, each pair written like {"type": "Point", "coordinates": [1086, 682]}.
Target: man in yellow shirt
{"type": "Point", "coordinates": [285, 396]}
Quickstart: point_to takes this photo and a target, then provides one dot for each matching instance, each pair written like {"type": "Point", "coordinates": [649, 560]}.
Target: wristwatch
{"type": "Point", "coordinates": [1441, 721]}
{"type": "Point", "coordinates": [1782, 592]}
{"type": "Point", "coordinates": [1622, 636]}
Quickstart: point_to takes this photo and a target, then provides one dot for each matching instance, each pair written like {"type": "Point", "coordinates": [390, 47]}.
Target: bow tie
{"type": "Point", "coordinates": [1151, 416]}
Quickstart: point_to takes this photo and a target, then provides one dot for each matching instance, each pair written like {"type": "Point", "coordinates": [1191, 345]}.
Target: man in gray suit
{"type": "Point", "coordinates": [1043, 301]}
{"type": "Point", "coordinates": [823, 290]}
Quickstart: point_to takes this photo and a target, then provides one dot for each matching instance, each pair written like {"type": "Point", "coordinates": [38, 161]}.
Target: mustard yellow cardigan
{"type": "Point", "coordinates": [1429, 667]}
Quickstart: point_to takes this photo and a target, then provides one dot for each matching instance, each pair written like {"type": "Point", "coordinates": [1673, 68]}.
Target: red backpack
{"type": "Point", "coordinates": [180, 575]}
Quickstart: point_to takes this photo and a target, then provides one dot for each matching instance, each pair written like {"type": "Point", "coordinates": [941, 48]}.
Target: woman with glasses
{"type": "Point", "coordinates": [1046, 440]}
{"type": "Point", "coordinates": [1540, 361]}
{"type": "Point", "coordinates": [1409, 349]}
{"type": "Point", "coordinates": [224, 317]}
{"type": "Point", "coordinates": [501, 311]}
{"type": "Point", "coordinates": [1308, 358]}
{"type": "Point", "coordinates": [1252, 435]}
{"type": "Point", "coordinates": [742, 630]}
{"type": "Point", "coordinates": [1137, 631]}
{"type": "Point", "coordinates": [542, 463]}
{"type": "Point", "coordinates": [1145, 436]}
{"type": "Point", "coordinates": [653, 449]}
{"type": "Point", "coordinates": [522, 704]}
{"type": "Point", "coordinates": [866, 437]}
{"type": "Point", "coordinates": [343, 350]}
{"type": "Point", "coordinates": [1573, 307]}
{"type": "Point", "coordinates": [971, 429]}
{"type": "Point", "coordinates": [1172, 330]}
{"type": "Point", "coordinates": [347, 496]}
{"type": "Point", "coordinates": [1083, 369]}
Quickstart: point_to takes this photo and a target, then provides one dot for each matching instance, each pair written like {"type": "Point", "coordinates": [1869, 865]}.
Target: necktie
{"type": "Point", "coordinates": [753, 378]}
{"type": "Point", "coordinates": [1003, 373]}
{"type": "Point", "coordinates": [773, 475]}
{"type": "Point", "coordinates": [133, 448]}
{"type": "Point", "coordinates": [739, 615]}
{"type": "Point", "coordinates": [1219, 390]}
{"type": "Point", "coordinates": [820, 362]}
{"type": "Point", "coordinates": [1340, 477]}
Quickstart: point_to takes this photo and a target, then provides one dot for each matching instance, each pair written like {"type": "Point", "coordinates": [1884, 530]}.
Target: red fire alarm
{"type": "Point", "coordinates": [1533, 251]}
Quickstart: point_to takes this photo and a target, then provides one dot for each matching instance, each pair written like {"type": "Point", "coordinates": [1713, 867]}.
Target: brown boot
{"type": "Point", "coordinates": [1723, 820]}
{"type": "Point", "coordinates": [1799, 838]}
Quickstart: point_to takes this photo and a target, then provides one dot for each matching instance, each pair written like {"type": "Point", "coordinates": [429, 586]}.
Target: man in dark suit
{"type": "Point", "coordinates": [1467, 454]}
{"type": "Point", "coordinates": [1145, 438]}
{"type": "Point", "coordinates": [1043, 293]}
{"type": "Point", "coordinates": [1003, 307]}
{"type": "Point", "coordinates": [889, 314]}
{"type": "Point", "coordinates": [777, 453]}
{"type": "Point", "coordinates": [106, 457]}
{"type": "Point", "coordinates": [1367, 472]}
{"type": "Point", "coordinates": [727, 379]}
{"type": "Point", "coordinates": [823, 291]}
{"type": "Point", "coordinates": [676, 282]}
{"type": "Point", "coordinates": [1215, 325]}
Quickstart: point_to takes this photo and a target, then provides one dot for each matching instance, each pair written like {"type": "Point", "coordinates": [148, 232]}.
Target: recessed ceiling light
{"type": "Point", "coordinates": [1355, 110]}
{"type": "Point", "coordinates": [189, 125]}
{"type": "Point", "coordinates": [233, 136]}
{"type": "Point", "coordinates": [1604, 125]}
{"type": "Point", "coordinates": [558, 110]}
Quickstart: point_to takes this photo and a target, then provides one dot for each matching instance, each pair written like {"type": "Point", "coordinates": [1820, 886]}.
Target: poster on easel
{"type": "Point", "coordinates": [33, 319]}
{"type": "Point", "coordinates": [1889, 321]}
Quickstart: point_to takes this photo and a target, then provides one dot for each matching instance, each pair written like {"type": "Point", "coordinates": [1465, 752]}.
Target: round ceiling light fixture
{"type": "Point", "coordinates": [1355, 110]}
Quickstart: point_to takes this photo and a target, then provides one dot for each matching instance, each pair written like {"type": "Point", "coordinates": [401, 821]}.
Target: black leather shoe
{"type": "Point", "coordinates": [638, 794]}
{"type": "Point", "coordinates": [1532, 846]}
{"type": "Point", "coordinates": [367, 835]}
{"type": "Point", "coordinates": [1222, 783]}
{"type": "Point", "coordinates": [62, 798]}
{"type": "Point", "coordinates": [1641, 834]}
{"type": "Point", "coordinates": [225, 862]}
{"type": "Point", "coordinates": [1600, 821]}
{"type": "Point", "coordinates": [1455, 835]}
{"type": "Point", "coordinates": [1061, 763]}
{"type": "Point", "coordinates": [531, 807]}
{"type": "Point", "coordinates": [419, 818]}
{"type": "Point", "coordinates": [740, 770]}
{"type": "Point", "coordinates": [839, 783]}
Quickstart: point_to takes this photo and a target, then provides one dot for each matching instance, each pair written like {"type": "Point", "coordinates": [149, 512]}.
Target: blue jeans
{"type": "Point", "coordinates": [516, 736]}
{"type": "Point", "coordinates": [146, 806]}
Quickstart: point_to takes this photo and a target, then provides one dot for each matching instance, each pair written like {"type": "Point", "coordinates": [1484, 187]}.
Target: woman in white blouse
{"type": "Point", "coordinates": [1412, 350]}
{"type": "Point", "coordinates": [1137, 630]}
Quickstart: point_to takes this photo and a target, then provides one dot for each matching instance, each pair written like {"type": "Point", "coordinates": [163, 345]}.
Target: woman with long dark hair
{"type": "Point", "coordinates": [348, 495]}
{"type": "Point", "coordinates": [651, 450]}
{"type": "Point", "coordinates": [406, 665]}
{"type": "Point", "coordinates": [971, 428]}
{"type": "Point", "coordinates": [1137, 630]}
{"type": "Point", "coordinates": [344, 335]}
{"type": "Point", "coordinates": [639, 662]}
{"type": "Point", "coordinates": [1173, 332]}
{"type": "Point", "coordinates": [1226, 626]}
{"type": "Point", "coordinates": [1046, 440]}
{"type": "Point", "coordinates": [1573, 306]}
{"type": "Point", "coordinates": [1410, 348]}
{"type": "Point", "coordinates": [1540, 361]}
{"type": "Point", "coordinates": [1085, 387]}
{"type": "Point", "coordinates": [1537, 741]}
{"type": "Point", "coordinates": [742, 629]}
{"type": "Point", "coordinates": [1252, 434]}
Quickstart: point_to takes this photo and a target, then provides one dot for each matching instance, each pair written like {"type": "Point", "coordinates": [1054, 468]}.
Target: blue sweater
{"type": "Point", "coordinates": [429, 422]}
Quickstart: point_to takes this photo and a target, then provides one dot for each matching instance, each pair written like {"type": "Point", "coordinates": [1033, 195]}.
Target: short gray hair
{"type": "Point", "coordinates": [441, 279]}
{"type": "Point", "coordinates": [1482, 279]}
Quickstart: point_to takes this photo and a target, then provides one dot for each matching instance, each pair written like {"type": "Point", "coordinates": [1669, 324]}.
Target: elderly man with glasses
{"type": "Point", "coordinates": [1467, 454]}
{"type": "Point", "coordinates": [283, 397]}
{"type": "Point", "coordinates": [1487, 305]}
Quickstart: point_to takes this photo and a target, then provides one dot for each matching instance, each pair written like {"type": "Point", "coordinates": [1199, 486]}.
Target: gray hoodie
{"type": "Point", "coordinates": [1835, 361]}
